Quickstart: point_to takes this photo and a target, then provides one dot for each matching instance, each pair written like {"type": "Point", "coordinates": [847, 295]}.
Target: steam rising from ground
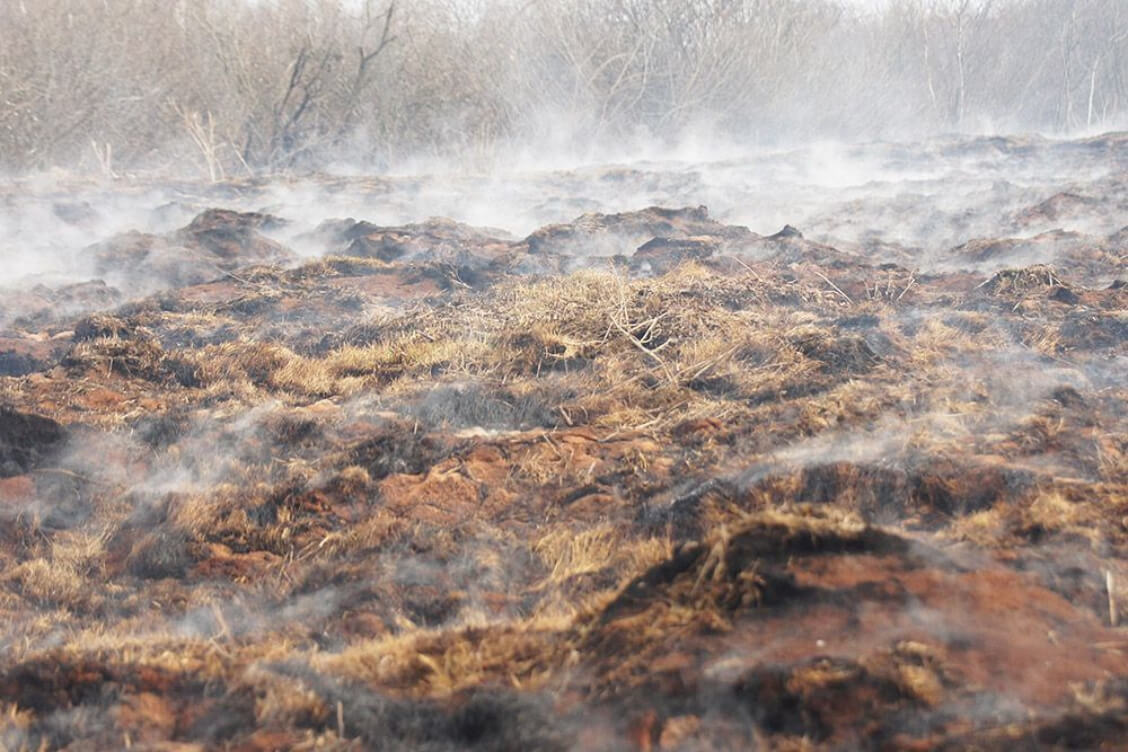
{"type": "Point", "coordinates": [910, 203]}
{"type": "Point", "coordinates": [320, 466]}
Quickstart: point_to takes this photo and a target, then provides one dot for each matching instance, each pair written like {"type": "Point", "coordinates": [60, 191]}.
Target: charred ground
{"type": "Point", "coordinates": [643, 478]}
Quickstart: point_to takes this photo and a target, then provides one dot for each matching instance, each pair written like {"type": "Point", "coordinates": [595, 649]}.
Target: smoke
{"type": "Point", "coordinates": [915, 203]}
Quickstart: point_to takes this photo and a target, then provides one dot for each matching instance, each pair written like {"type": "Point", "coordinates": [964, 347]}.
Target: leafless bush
{"type": "Point", "coordinates": [223, 87]}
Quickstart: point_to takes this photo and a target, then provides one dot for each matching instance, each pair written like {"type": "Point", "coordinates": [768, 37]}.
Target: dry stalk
{"type": "Point", "coordinates": [834, 287]}
{"type": "Point", "coordinates": [647, 351]}
{"type": "Point", "coordinates": [104, 153]}
{"type": "Point", "coordinates": [618, 316]}
{"type": "Point", "coordinates": [201, 129]}
{"type": "Point", "coordinates": [912, 281]}
{"type": "Point", "coordinates": [749, 269]}
{"type": "Point", "coordinates": [708, 363]}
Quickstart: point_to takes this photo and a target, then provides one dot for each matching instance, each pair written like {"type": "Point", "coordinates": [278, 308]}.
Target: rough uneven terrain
{"type": "Point", "coordinates": [612, 477]}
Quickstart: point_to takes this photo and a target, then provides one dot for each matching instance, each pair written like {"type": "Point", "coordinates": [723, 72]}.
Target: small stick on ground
{"type": "Point", "coordinates": [748, 268]}
{"type": "Point", "coordinates": [645, 350]}
{"type": "Point", "coordinates": [834, 287]}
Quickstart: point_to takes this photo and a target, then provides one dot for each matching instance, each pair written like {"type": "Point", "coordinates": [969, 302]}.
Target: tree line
{"type": "Point", "coordinates": [232, 87]}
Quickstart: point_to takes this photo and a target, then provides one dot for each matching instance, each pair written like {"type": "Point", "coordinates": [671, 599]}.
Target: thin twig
{"type": "Point", "coordinates": [835, 287]}
{"type": "Point", "coordinates": [553, 446]}
{"type": "Point", "coordinates": [912, 281]}
{"type": "Point", "coordinates": [708, 363]}
{"type": "Point", "coordinates": [634, 341]}
{"type": "Point", "coordinates": [749, 269]}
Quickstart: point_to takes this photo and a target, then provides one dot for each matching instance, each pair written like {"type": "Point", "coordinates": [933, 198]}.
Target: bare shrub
{"type": "Point", "coordinates": [227, 87]}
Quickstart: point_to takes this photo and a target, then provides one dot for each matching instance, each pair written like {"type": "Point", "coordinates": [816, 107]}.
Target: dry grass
{"type": "Point", "coordinates": [571, 556]}
{"type": "Point", "coordinates": [48, 583]}
{"type": "Point", "coordinates": [699, 431]}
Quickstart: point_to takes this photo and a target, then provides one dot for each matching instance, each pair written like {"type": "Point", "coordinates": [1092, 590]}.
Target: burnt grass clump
{"type": "Point", "coordinates": [644, 480]}
{"type": "Point", "coordinates": [26, 441]}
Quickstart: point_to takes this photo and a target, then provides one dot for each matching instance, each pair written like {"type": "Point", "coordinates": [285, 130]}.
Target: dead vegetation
{"type": "Point", "coordinates": [785, 498]}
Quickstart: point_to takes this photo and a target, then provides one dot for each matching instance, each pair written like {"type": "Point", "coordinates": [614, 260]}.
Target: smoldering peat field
{"type": "Point", "coordinates": [563, 459]}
